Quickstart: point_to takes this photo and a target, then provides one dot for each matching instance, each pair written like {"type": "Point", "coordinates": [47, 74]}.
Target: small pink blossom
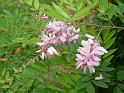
{"type": "Point", "coordinates": [89, 54]}
{"type": "Point", "coordinates": [56, 33]}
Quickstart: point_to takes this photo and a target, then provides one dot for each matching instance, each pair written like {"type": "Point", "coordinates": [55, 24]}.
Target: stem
{"type": "Point", "coordinates": [116, 27]}
{"type": "Point", "coordinates": [99, 33]}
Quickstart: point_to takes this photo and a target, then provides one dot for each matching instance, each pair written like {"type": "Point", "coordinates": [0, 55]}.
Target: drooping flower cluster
{"type": "Point", "coordinates": [89, 55]}
{"type": "Point", "coordinates": [56, 33]}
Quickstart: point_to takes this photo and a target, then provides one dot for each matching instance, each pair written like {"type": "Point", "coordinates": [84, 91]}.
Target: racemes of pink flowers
{"type": "Point", "coordinates": [56, 33]}
{"type": "Point", "coordinates": [89, 54]}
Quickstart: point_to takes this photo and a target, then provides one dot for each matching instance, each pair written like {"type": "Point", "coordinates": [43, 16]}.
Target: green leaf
{"type": "Point", "coordinates": [117, 90]}
{"type": "Point", "coordinates": [45, 90]}
{"type": "Point", "coordinates": [121, 86]}
{"type": "Point", "coordinates": [3, 72]}
{"type": "Point", "coordinates": [90, 89]}
{"type": "Point", "coordinates": [111, 11]}
{"type": "Point", "coordinates": [79, 4]}
{"type": "Point", "coordinates": [52, 13]}
{"type": "Point", "coordinates": [2, 81]}
{"type": "Point", "coordinates": [105, 33]}
{"type": "Point", "coordinates": [109, 43]}
{"type": "Point", "coordinates": [82, 85]}
{"type": "Point", "coordinates": [107, 60]}
{"type": "Point", "coordinates": [106, 80]}
{"type": "Point", "coordinates": [106, 69]}
{"type": "Point", "coordinates": [29, 2]}
{"type": "Point", "coordinates": [106, 74]}
{"type": "Point", "coordinates": [36, 4]}
{"type": "Point", "coordinates": [103, 4]}
{"type": "Point", "coordinates": [82, 13]}
{"type": "Point", "coordinates": [120, 75]}
{"type": "Point", "coordinates": [95, 1]}
{"type": "Point", "coordinates": [30, 41]}
{"type": "Point", "coordinates": [28, 83]}
{"type": "Point", "coordinates": [5, 86]}
{"type": "Point", "coordinates": [85, 79]}
{"type": "Point", "coordinates": [56, 88]}
{"type": "Point", "coordinates": [66, 80]}
{"type": "Point", "coordinates": [100, 84]}
{"type": "Point", "coordinates": [61, 11]}
{"type": "Point", "coordinates": [110, 35]}
{"type": "Point", "coordinates": [109, 53]}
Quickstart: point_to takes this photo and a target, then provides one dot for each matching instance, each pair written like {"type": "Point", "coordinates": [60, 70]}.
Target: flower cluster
{"type": "Point", "coordinates": [89, 55]}
{"type": "Point", "coordinates": [56, 33]}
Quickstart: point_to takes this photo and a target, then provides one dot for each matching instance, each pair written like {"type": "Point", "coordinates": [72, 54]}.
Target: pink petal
{"type": "Point", "coordinates": [84, 43]}
{"type": "Point", "coordinates": [80, 57]}
{"type": "Point", "coordinates": [102, 49]}
{"type": "Point", "coordinates": [79, 65]}
{"type": "Point", "coordinates": [95, 58]}
{"type": "Point", "coordinates": [89, 36]}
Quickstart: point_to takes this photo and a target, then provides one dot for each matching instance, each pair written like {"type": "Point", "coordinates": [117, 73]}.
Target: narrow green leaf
{"type": "Point", "coordinates": [52, 13]}
{"type": "Point", "coordinates": [3, 72]}
{"type": "Point", "coordinates": [29, 2]}
{"type": "Point", "coordinates": [56, 88]}
{"type": "Point", "coordinates": [121, 86]}
{"type": "Point", "coordinates": [61, 11]}
{"type": "Point", "coordinates": [95, 1]}
{"type": "Point", "coordinates": [103, 5]}
{"type": "Point", "coordinates": [106, 69]}
{"type": "Point", "coordinates": [2, 81]}
{"type": "Point", "coordinates": [82, 13]}
{"type": "Point", "coordinates": [5, 86]}
{"type": "Point", "coordinates": [106, 80]}
{"type": "Point", "coordinates": [36, 4]}
{"type": "Point", "coordinates": [117, 90]}
{"type": "Point", "coordinates": [110, 35]}
{"type": "Point", "coordinates": [105, 33]}
{"type": "Point", "coordinates": [79, 4]}
{"type": "Point", "coordinates": [100, 84]}
{"type": "Point", "coordinates": [85, 79]}
{"type": "Point", "coordinates": [90, 89]}
{"type": "Point", "coordinates": [109, 43]}
{"type": "Point", "coordinates": [107, 60]}
{"type": "Point", "coordinates": [82, 85]}
{"type": "Point", "coordinates": [109, 53]}
{"type": "Point", "coordinates": [120, 75]}
{"type": "Point", "coordinates": [111, 11]}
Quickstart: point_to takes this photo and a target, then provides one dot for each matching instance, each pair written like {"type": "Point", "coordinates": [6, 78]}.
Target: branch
{"type": "Point", "coordinates": [103, 26]}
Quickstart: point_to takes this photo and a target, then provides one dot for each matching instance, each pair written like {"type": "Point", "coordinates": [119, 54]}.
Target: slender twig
{"type": "Point", "coordinates": [96, 25]}
{"type": "Point", "coordinates": [99, 33]}
{"type": "Point", "coordinates": [31, 61]}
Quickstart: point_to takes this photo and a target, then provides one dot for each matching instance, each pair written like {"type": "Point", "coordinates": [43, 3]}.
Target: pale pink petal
{"type": "Point", "coordinates": [50, 51]}
{"type": "Point", "coordinates": [54, 50]}
{"type": "Point", "coordinates": [89, 36]}
{"type": "Point", "coordinates": [41, 44]}
{"type": "Point", "coordinates": [102, 49]}
{"type": "Point", "coordinates": [80, 57]}
{"type": "Point", "coordinates": [95, 58]}
{"type": "Point", "coordinates": [91, 69]}
{"type": "Point", "coordinates": [96, 63]}
{"type": "Point", "coordinates": [99, 53]}
{"type": "Point", "coordinates": [84, 43]}
{"type": "Point", "coordinates": [79, 65]}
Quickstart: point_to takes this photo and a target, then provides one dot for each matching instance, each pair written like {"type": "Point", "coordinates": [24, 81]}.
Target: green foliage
{"type": "Point", "coordinates": [100, 84]}
{"type": "Point", "coordinates": [21, 23]}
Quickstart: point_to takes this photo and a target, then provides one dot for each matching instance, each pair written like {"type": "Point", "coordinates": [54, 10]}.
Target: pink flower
{"type": "Point", "coordinates": [56, 33]}
{"type": "Point", "coordinates": [89, 55]}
